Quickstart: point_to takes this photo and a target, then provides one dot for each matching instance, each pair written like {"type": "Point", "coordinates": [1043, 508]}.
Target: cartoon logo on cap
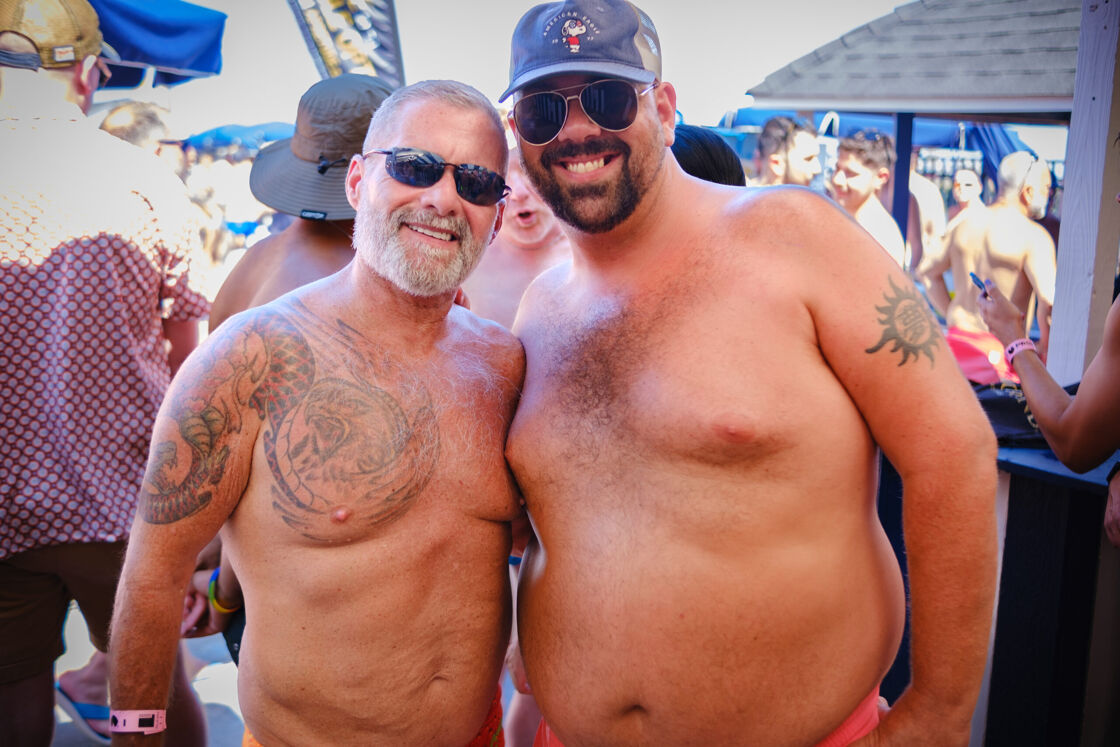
{"type": "Point", "coordinates": [571, 31]}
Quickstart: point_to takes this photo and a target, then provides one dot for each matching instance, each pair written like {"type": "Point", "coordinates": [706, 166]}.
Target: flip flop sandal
{"type": "Point", "coordinates": [82, 713]}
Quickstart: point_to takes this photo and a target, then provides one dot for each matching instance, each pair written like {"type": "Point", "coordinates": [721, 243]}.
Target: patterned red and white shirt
{"type": "Point", "coordinates": [95, 242]}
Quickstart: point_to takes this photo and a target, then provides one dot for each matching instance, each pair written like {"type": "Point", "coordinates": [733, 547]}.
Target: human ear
{"type": "Point", "coordinates": [665, 97]}
{"type": "Point", "coordinates": [354, 176]}
{"type": "Point", "coordinates": [497, 222]}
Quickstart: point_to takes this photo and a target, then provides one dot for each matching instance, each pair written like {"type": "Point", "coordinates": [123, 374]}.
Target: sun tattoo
{"type": "Point", "coordinates": [907, 324]}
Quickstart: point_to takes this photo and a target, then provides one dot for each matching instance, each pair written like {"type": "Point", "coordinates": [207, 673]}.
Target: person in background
{"type": "Point", "coordinates": [967, 191]}
{"type": "Point", "coordinates": [925, 221]}
{"type": "Point", "coordinates": [1005, 244]}
{"type": "Point", "coordinates": [144, 124]}
{"type": "Point", "coordinates": [347, 439]}
{"type": "Point", "coordinates": [788, 153]}
{"type": "Point", "coordinates": [704, 154]}
{"type": "Point", "coordinates": [99, 309]}
{"type": "Point", "coordinates": [530, 241]}
{"type": "Point", "coordinates": [303, 176]}
{"type": "Point", "coordinates": [863, 170]}
{"type": "Point", "coordinates": [708, 386]}
{"type": "Point", "coordinates": [1083, 430]}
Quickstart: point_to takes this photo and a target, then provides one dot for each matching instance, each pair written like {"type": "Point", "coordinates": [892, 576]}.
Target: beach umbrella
{"type": "Point", "coordinates": [248, 136]}
{"type": "Point", "coordinates": [178, 39]}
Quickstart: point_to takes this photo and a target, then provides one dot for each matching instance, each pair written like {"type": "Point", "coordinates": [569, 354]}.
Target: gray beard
{"type": "Point", "coordinates": [378, 241]}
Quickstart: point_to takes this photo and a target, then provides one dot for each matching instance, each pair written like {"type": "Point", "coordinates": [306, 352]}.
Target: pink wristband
{"type": "Point", "coordinates": [145, 722]}
{"type": "Point", "coordinates": [1018, 346]}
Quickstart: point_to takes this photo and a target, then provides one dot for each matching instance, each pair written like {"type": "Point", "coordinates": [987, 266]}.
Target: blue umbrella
{"type": "Point", "coordinates": [179, 39]}
{"type": "Point", "coordinates": [249, 136]}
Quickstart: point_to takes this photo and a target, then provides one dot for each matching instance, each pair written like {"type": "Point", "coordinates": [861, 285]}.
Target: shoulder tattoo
{"type": "Point", "coordinates": [907, 324]}
{"type": "Point", "coordinates": [327, 430]}
{"type": "Point", "coordinates": [186, 465]}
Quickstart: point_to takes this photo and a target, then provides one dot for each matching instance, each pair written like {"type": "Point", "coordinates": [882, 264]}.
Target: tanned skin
{"type": "Point", "coordinates": [347, 441]}
{"type": "Point", "coordinates": [709, 384]}
{"type": "Point", "coordinates": [304, 251]}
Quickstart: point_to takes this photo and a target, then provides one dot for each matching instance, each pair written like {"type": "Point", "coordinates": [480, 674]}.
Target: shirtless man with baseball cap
{"type": "Point", "coordinates": [708, 389]}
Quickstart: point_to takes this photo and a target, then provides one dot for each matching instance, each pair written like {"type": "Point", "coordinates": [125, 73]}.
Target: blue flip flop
{"type": "Point", "coordinates": [81, 713]}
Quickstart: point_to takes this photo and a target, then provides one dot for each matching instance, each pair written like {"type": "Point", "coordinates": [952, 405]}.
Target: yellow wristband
{"type": "Point", "coordinates": [212, 593]}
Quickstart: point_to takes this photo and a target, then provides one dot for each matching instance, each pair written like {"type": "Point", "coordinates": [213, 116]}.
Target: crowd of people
{"type": "Point", "coordinates": [535, 392]}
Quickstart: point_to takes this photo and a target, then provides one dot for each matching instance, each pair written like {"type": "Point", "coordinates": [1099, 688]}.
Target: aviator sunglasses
{"type": "Point", "coordinates": [477, 185]}
{"type": "Point", "coordinates": [611, 104]}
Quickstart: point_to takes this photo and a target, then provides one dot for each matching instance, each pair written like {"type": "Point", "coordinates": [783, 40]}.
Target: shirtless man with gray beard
{"type": "Point", "coordinates": [708, 385]}
{"type": "Point", "coordinates": [350, 437]}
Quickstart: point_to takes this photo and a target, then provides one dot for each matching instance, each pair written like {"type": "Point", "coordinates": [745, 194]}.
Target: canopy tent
{"type": "Point", "coordinates": [178, 39]}
{"type": "Point", "coordinates": [1011, 61]}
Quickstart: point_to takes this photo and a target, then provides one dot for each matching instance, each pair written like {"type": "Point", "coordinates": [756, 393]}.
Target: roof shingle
{"type": "Point", "coordinates": [941, 56]}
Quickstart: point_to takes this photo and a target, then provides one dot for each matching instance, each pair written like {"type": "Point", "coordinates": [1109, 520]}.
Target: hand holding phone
{"type": "Point", "coordinates": [979, 284]}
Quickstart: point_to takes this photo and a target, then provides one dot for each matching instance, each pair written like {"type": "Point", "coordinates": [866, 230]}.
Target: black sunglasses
{"type": "Point", "coordinates": [611, 104]}
{"type": "Point", "coordinates": [419, 168]}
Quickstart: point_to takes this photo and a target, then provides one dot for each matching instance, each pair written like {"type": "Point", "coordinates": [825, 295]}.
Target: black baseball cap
{"type": "Point", "coordinates": [613, 38]}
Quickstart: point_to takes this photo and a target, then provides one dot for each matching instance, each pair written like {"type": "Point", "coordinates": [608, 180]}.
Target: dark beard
{"type": "Point", "coordinates": [619, 199]}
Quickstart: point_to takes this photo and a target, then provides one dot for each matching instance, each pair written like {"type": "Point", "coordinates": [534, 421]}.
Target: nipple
{"type": "Point", "coordinates": [734, 429]}
{"type": "Point", "coordinates": [340, 515]}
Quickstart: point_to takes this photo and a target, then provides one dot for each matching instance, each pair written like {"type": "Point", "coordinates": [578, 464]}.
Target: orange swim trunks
{"type": "Point", "coordinates": [490, 735]}
{"type": "Point", "coordinates": [860, 723]}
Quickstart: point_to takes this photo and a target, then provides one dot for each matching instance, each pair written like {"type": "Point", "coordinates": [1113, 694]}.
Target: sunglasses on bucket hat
{"type": "Point", "coordinates": [612, 104]}
{"type": "Point", "coordinates": [477, 185]}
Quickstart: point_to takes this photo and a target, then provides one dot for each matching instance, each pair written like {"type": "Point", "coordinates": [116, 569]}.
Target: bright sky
{"type": "Point", "coordinates": [713, 50]}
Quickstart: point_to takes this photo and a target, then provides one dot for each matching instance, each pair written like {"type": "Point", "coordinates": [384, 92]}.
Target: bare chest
{"type": "Point", "coordinates": [672, 381]}
{"type": "Point", "coordinates": [354, 439]}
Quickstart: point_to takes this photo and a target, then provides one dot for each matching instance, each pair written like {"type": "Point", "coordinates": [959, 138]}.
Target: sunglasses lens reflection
{"type": "Point", "coordinates": [610, 104]}
{"type": "Point", "coordinates": [419, 168]}
{"type": "Point", "coordinates": [540, 116]}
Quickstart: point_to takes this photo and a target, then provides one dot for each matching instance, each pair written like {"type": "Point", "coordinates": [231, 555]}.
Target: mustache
{"type": "Point", "coordinates": [558, 151]}
{"type": "Point", "coordinates": [456, 225]}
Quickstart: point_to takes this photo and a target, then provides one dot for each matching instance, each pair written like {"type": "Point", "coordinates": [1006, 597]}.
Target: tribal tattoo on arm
{"type": "Point", "coordinates": [907, 324]}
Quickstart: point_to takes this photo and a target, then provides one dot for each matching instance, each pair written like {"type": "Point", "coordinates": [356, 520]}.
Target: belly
{"type": "Point", "coordinates": [396, 640]}
{"type": "Point", "coordinates": [639, 635]}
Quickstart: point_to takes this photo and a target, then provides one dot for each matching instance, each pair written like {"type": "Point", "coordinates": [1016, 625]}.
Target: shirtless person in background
{"type": "Point", "coordinates": [1003, 244]}
{"type": "Point", "coordinates": [530, 242]}
{"type": "Point", "coordinates": [304, 176]}
{"type": "Point", "coordinates": [708, 384]}
{"type": "Point", "coordinates": [349, 436]}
